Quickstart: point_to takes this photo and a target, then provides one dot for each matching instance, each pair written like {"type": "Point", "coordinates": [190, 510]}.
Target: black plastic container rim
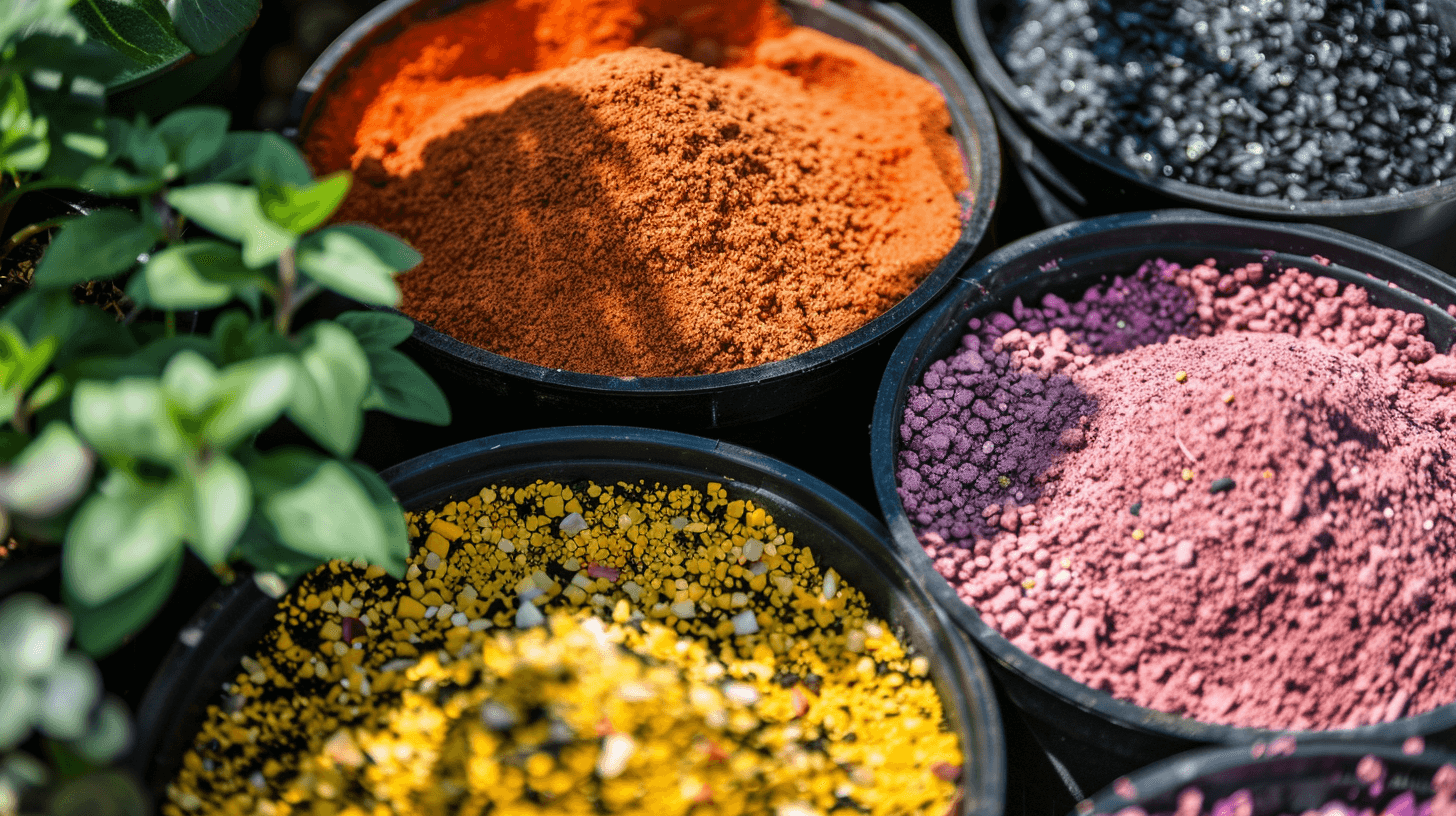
{"type": "Point", "coordinates": [972, 122]}
{"type": "Point", "coordinates": [1173, 774]}
{"type": "Point", "coordinates": [219, 618]}
{"type": "Point", "coordinates": [993, 74]}
{"type": "Point", "coordinates": [884, 429]}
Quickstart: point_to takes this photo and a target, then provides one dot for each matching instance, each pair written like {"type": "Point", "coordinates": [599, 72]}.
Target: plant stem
{"type": "Point", "coordinates": [169, 320]}
{"type": "Point", "coordinates": [27, 233]}
{"type": "Point", "coordinates": [287, 284]}
{"type": "Point", "coordinates": [39, 184]}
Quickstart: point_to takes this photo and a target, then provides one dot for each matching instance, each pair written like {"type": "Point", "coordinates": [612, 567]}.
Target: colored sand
{"type": "Point", "coordinates": [635, 212]}
{"type": "Point", "coordinates": [1243, 518]}
{"type": "Point", "coordinates": [583, 649]}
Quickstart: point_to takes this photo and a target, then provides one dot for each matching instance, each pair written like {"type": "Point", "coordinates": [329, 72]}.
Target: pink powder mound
{"type": "Point", "coordinates": [1266, 540]}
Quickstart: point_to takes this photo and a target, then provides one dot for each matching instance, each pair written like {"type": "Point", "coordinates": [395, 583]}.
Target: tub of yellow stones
{"type": "Point", "coordinates": [595, 620]}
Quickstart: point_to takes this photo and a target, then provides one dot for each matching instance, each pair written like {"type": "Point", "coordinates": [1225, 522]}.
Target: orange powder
{"type": "Point", "coordinates": [589, 205]}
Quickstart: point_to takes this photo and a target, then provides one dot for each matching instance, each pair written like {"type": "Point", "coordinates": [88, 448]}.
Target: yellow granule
{"type": "Point", "coordinates": [577, 650]}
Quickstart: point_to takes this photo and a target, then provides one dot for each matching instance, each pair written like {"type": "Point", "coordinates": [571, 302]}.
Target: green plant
{"type": "Point", "coordinates": [129, 442]}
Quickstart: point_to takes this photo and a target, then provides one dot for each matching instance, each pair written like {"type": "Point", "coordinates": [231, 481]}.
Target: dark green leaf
{"type": "Point", "coordinates": [300, 209]}
{"type": "Point", "coordinates": [328, 397]}
{"type": "Point", "coordinates": [252, 394]}
{"type": "Point", "coordinates": [233, 212]}
{"type": "Point", "coordinates": [207, 25]}
{"type": "Point", "coordinates": [194, 135]}
{"type": "Point", "coordinates": [63, 55]}
{"type": "Point", "coordinates": [230, 333]}
{"type": "Point", "coordinates": [356, 262]}
{"type": "Point", "coordinates": [391, 517]}
{"type": "Point", "coordinates": [109, 735]}
{"type": "Point", "coordinates": [145, 149]}
{"type": "Point", "coordinates": [139, 29]}
{"type": "Point", "coordinates": [121, 536]}
{"type": "Point", "coordinates": [100, 628]}
{"type": "Point", "coordinates": [249, 156]}
{"type": "Point", "coordinates": [259, 547]}
{"type": "Point", "coordinates": [40, 314]}
{"type": "Point", "coordinates": [377, 330]}
{"type": "Point", "coordinates": [195, 275]}
{"type": "Point", "coordinates": [94, 247]}
{"type": "Point", "coordinates": [50, 474]}
{"type": "Point", "coordinates": [329, 514]}
{"type": "Point", "coordinates": [118, 182]}
{"type": "Point", "coordinates": [403, 389]}
{"type": "Point", "coordinates": [128, 418]}
{"type": "Point", "coordinates": [94, 332]}
{"type": "Point", "coordinates": [80, 146]}
{"type": "Point", "coordinates": [224, 499]}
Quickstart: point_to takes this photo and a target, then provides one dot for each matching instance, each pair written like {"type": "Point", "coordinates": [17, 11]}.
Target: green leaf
{"type": "Point", "coordinates": [22, 364]}
{"type": "Point", "coordinates": [196, 275]}
{"type": "Point", "coordinates": [145, 149]}
{"type": "Point", "coordinates": [81, 147]}
{"type": "Point", "coordinates": [50, 474]}
{"type": "Point", "coordinates": [207, 25]}
{"type": "Point", "coordinates": [62, 54]}
{"type": "Point", "coordinates": [356, 261]}
{"type": "Point", "coordinates": [193, 136]}
{"type": "Point", "coordinates": [190, 383]}
{"type": "Point", "coordinates": [128, 418]}
{"type": "Point", "coordinates": [300, 209]}
{"type": "Point", "coordinates": [233, 212]}
{"type": "Point", "coordinates": [329, 514]}
{"type": "Point", "coordinates": [377, 330]}
{"type": "Point", "coordinates": [328, 397]}
{"type": "Point", "coordinates": [102, 793]}
{"type": "Point", "coordinates": [139, 29]}
{"type": "Point", "coordinates": [259, 546]}
{"type": "Point", "coordinates": [23, 145]}
{"type": "Point", "coordinates": [94, 247]}
{"type": "Point", "coordinates": [71, 692]}
{"type": "Point", "coordinates": [109, 735]}
{"type": "Point", "coordinates": [250, 156]}
{"type": "Point", "coordinates": [17, 704]}
{"type": "Point", "coordinates": [122, 535]}
{"type": "Point", "coordinates": [50, 15]}
{"type": "Point", "coordinates": [251, 394]}
{"type": "Point", "coordinates": [100, 628]}
{"type": "Point", "coordinates": [403, 389]}
{"type": "Point", "coordinates": [230, 334]}
{"type": "Point", "coordinates": [391, 517]}
{"type": "Point", "coordinates": [224, 499]}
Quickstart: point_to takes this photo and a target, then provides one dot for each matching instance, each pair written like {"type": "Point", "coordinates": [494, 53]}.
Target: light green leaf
{"type": "Point", "coordinates": [120, 536]}
{"type": "Point", "coordinates": [391, 518]}
{"type": "Point", "coordinates": [328, 397]}
{"type": "Point", "coordinates": [139, 29]}
{"type": "Point", "coordinates": [329, 514]}
{"type": "Point", "coordinates": [50, 15]}
{"type": "Point", "coordinates": [17, 707]}
{"type": "Point", "coordinates": [357, 262]}
{"type": "Point", "coordinates": [109, 735]}
{"type": "Point", "coordinates": [128, 418]}
{"type": "Point", "coordinates": [224, 499]}
{"type": "Point", "coordinates": [403, 389]}
{"type": "Point", "coordinates": [23, 145]}
{"type": "Point", "coordinates": [190, 382]}
{"type": "Point", "coordinates": [71, 692]}
{"type": "Point", "coordinates": [33, 636]}
{"type": "Point", "coordinates": [252, 395]}
{"type": "Point", "coordinates": [46, 393]}
{"type": "Point", "coordinates": [233, 212]}
{"type": "Point", "coordinates": [377, 330]}
{"type": "Point", "coordinates": [300, 209]}
{"type": "Point", "coordinates": [207, 25]}
{"type": "Point", "coordinates": [51, 473]}
{"type": "Point", "coordinates": [194, 135]}
{"type": "Point", "coordinates": [250, 156]}
{"type": "Point", "coordinates": [101, 628]}
{"type": "Point", "coordinates": [21, 363]}
{"type": "Point", "coordinates": [94, 247]}
{"type": "Point", "coordinates": [196, 275]}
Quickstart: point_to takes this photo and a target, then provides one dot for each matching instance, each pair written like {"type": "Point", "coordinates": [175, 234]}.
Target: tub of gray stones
{"type": "Point", "coordinates": [1332, 112]}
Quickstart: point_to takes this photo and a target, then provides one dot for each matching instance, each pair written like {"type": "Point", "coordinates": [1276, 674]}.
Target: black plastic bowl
{"type": "Point", "coordinates": [1071, 180]}
{"type": "Point", "coordinates": [1096, 737]}
{"type": "Point", "coordinates": [1279, 779]}
{"type": "Point", "coordinates": [826, 375]}
{"type": "Point", "coordinates": [841, 533]}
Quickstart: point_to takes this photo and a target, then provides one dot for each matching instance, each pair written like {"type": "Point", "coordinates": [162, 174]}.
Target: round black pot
{"type": "Point", "coordinates": [1279, 778]}
{"type": "Point", "coordinates": [840, 532]}
{"type": "Point", "coordinates": [822, 394]}
{"type": "Point", "coordinates": [1098, 738]}
{"type": "Point", "coordinates": [1069, 180]}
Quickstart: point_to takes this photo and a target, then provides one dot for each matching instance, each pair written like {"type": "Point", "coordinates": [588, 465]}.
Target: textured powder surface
{"type": "Point", "coordinates": [639, 213]}
{"type": "Point", "coordinates": [1244, 523]}
{"type": "Point", "coordinates": [1267, 797]}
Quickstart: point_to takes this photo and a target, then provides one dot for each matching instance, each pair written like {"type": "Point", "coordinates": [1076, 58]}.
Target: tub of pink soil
{"type": "Point", "coordinates": [1184, 523]}
{"type": "Point", "coordinates": [1286, 777]}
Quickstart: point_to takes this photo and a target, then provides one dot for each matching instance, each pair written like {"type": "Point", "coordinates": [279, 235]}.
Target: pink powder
{"type": "Point", "coordinates": [1265, 540]}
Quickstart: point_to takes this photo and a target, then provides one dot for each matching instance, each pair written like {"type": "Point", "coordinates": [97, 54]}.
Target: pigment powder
{"type": "Point", "coordinates": [588, 649]}
{"type": "Point", "coordinates": [1219, 494]}
{"type": "Point", "coordinates": [588, 203]}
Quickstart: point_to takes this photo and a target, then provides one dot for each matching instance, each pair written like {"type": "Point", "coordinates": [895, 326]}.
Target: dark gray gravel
{"type": "Point", "coordinates": [1292, 99]}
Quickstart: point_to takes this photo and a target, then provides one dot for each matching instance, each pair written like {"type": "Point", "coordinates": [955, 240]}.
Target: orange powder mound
{"type": "Point", "coordinates": [593, 206]}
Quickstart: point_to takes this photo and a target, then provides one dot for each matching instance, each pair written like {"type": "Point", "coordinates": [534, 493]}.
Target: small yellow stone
{"type": "Point", "coordinates": [1138, 534]}
{"type": "Point", "coordinates": [1187, 474]}
{"type": "Point", "coordinates": [410, 608]}
{"type": "Point", "coordinates": [1181, 376]}
{"type": "Point", "coordinates": [437, 544]}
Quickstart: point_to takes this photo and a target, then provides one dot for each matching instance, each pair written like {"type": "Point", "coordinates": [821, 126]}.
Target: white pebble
{"type": "Point", "coordinates": [432, 561]}
{"type": "Point", "coordinates": [1428, 524]}
{"type": "Point", "coordinates": [469, 593]}
{"type": "Point", "coordinates": [741, 693]}
{"type": "Point", "coordinates": [445, 611]}
{"type": "Point", "coordinates": [573, 524]}
{"type": "Point", "coordinates": [633, 590]}
{"type": "Point", "coordinates": [397, 664]}
{"type": "Point", "coordinates": [831, 584]}
{"type": "Point", "coordinates": [366, 620]}
{"type": "Point", "coordinates": [459, 619]}
{"type": "Point", "coordinates": [190, 637]}
{"type": "Point", "coordinates": [528, 615]}
{"type": "Point", "coordinates": [479, 625]}
{"type": "Point", "coordinates": [758, 568]}
{"type": "Point", "coordinates": [752, 550]}
{"type": "Point", "coordinates": [617, 750]}
{"type": "Point", "coordinates": [855, 642]}
{"type": "Point", "coordinates": [581, 580]}
{"type": "Point", "coordinates": [507, 546]}
{"type": "Point", "coordinates": [683, 609]}
{"type": "Point", "coordinates": [497, 716]}
{"type": "Point", "coordinates": [1389, 512]}
{"type": "Point", "coordinates": [430, 611]}
{"type": "Point", "coordinates": [745, 623]}
{"type": "Point", "coordinates": [679, 522]}
{"type": "Point", "coordinates": [330, 607]}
